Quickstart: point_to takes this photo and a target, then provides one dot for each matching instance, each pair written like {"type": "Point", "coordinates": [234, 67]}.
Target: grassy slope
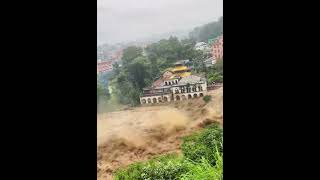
{"type": "Point", "coordinates": [201, 160]}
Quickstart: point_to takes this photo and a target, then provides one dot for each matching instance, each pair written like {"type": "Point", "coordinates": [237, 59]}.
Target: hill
{"type": "Point", "coordinates": [207, 31]}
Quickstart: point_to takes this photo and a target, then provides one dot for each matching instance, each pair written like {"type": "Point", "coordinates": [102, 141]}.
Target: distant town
{"type": "Point", "coordinates": [108, 56]}
{"type": "Point", "coordinates": [178, 83]}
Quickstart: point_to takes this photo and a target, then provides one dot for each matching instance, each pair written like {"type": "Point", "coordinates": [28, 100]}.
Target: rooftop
{"type": "Point", "coordinates": [192, 79]}
{"type": "Point", "coordinates": [180, 68]}
{"type": "Point", "coordinates": [175, 76]}
{"type": "Point", "coordinates": [157, 83]}
{"type": "Point", "coordinates": [184, 74]}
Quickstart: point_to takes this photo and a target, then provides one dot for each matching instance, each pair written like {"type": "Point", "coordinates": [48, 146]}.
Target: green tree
{"type": "Point", "coordinates": [116, 69]}
{"type": "Point", "coordinates": [140, 71]}
{"type": "Point", "coordinates": [207, 31]}
{"type": "Point", "coordinates": [215, 74]}
{"type": "Point", "coordinates": [130, 53]}
{"type": "Point", "coordinates": [137, 74]}
{"type": "Point", "coordinates": [102, 93]}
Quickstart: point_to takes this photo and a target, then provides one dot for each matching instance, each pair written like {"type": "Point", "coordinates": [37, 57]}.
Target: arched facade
{"type": "Point", "coordinates": [176, 92]}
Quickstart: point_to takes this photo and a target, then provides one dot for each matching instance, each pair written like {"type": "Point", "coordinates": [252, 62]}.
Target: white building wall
{"type": "Point", "coordinates": [192, 93]}
{"type": "Point", "coordinates": [157, 99]}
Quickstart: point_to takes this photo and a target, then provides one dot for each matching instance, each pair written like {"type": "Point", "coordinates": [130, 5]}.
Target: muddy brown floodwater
{"type": "Point", "coordinates": [134, 135]}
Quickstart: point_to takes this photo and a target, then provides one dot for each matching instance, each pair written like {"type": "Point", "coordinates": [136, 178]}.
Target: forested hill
{"type": "Point", "coordinates": [207, 31]}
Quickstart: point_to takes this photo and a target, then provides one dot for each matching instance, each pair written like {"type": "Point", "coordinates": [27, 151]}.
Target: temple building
{"type": "Point", "coordinates": [176, 84]}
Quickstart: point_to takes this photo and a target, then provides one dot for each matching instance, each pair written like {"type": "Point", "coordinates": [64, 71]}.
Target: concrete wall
{"type": "Point", "coordinates": [158, 99]}
{"type": "Point", "coordinates": [203, 85]}
{"type": "Point", "coordinates": [186, 96]}
{"type": "Point", "coordinates": [176, 97]}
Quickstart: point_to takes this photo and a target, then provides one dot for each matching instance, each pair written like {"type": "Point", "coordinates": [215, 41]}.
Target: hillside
{"type": "Point", "coordinates": [207, 31]}
{"type": "Point", "coordinates": [139, 134]}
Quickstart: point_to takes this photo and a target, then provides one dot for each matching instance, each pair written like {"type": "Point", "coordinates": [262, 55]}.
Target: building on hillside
{"type": "Point", "coordinates": [217, 48]}
{"type": "Point", "coordinates": [183, 88]}
{"type": "Point", "coordinates": [104, 66]}
{"type": "Point", "coordinates": [201, 46]}
{"type": "Point", "coordinates": [175, 74]}
{"type": "Point", "coordinates": [209, 62]}
{"type": "Point", "coordinates": [167, 74]}
{"type": "Point", "coordinates": [176, 84]}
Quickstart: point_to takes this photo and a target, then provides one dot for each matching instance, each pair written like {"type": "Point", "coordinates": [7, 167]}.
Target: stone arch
{"type": "Point", "coordinates": [154, 100]}
{"type": "Point", "coordinates": [143, 101]}
{"type": "Point", "coordinates": [159, 99]}
{"type": "Point", "coordinates": [201, 94]}
{"type": "Point", "coordinates": [178, 98]}
{"type": "Point", "coordinates": [169, 83]}
{"type": "Point", "coordinates": [195, 95]}
{"type": "Point", "coordinates": [165, 99]}
{"type": "Point", "coordinates": [189, 96]}
{"type": "Point", "coordinates": [149, 100]}
{"type": "Point", "coordinates": [166, 83]}
{"type": "Point", "coordinates": [183, 97]}
{"type": "Point", "coordinates": [176, 81]}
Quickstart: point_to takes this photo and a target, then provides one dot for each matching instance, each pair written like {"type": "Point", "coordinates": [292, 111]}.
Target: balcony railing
{"type": "Point", "coordinates": [154, 94]}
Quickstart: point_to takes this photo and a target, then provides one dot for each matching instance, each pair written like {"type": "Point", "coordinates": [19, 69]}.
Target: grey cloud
{"type": "Point", "coordinates": [126, 20]}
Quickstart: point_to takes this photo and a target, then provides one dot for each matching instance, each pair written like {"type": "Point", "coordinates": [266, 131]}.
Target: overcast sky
{"type": "Point", "coordinates": [127, 20]}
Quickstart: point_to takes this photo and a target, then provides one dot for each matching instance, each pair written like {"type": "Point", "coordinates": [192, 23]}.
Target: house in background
{"type": "Point", "coordinates": [202, 46]}
{"type": "Point", "coordinates": [217, 48]}
{"type": "Point", "coordinates": [104, 66]}
{"type": "Point", "coordinates": [209, 62]}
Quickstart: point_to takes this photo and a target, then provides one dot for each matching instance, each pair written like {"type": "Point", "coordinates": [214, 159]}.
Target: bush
{"type": "Point", "coordinates": [204, 170]}
{"type": "Point", "coordinates": [133, 171]}
{"type": "Point", "coordinates": [215, 77]}
{"type": "Point", "coordinates": [207, 98]}
{"type": "Point", "coordinates": [161, 168]}
{"type": "Point", "coordinates": [172, 167]}
{"type": "Point", "coordinates": [202, 160]}
{"type": "Point", "coordinates": [203, 145]}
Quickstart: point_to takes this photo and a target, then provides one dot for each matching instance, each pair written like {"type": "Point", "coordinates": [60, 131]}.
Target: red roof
{"type": "Point", "coordinates": [157, 83]}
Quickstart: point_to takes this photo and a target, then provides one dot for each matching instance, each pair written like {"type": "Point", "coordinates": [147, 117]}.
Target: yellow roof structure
{"type": "Point", "coordinates": [177, 75]}
{"type": "Point", "coordinates": [180, 68]}
{"type": "Point", "coordinates": [184, 74]}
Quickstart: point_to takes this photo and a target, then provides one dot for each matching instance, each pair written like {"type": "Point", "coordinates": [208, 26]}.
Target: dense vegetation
{"type": "Point", "coordinates": [215, 73]}
{"type": "Point", "coordinates": [140, 67]}
{"type": "Point", "coordinates": [201, 160]}
{"type": "Point", "coordinates": [207, 98]}
{"type": "Point", "coordinates": [138, 70]}
{"type": "Point", "coordinates": [103, 94]}
{"type": "Point", "coordinates": [207, 31]}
